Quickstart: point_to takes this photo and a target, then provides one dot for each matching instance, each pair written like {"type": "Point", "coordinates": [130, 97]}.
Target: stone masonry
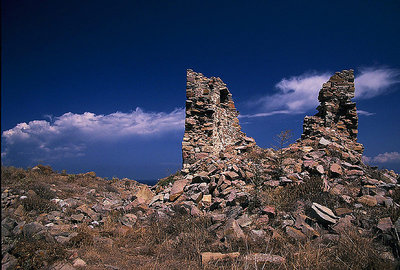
{"type": "Point", "coordinates": [337, 115]}
{"type": "Point", "coordinates": [211, 120]}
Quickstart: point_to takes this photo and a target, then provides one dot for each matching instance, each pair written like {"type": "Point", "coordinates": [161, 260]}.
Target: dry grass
{"type": "Point", "coordinates": [176, 241]}
{"type": "Point", "coordinates": [169, 179]}
{"type": "Point", "coordinates": [285, 198]}
{"type": "Point", "coordinates": [34, 253]}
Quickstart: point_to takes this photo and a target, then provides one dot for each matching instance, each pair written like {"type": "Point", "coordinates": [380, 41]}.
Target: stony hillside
{"type": "Point", "coordinates": [312, 204]}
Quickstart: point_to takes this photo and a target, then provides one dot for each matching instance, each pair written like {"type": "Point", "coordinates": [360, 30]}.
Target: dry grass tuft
{"type": "Point", "coordinates": [285, 198]}
{"type": "Point", "coordinates": [36, 253]}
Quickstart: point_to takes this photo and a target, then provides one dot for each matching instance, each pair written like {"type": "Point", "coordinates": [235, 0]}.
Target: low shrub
{"type": "Point", "coordinates": [43, 191]}
{"type": "Point", "coordinates": [47, 170]}
{"type": "Point", "coordinates": [285, 198]}
{"type": "Point", "coordinates": [83, 238]}
{"type": "Point", "coordinates": [39, 204]}
{"type": "Point", "coordinates": [37, 254]}
{"type": "Point", "coordinates": [167, 180]}
{"type": "Point", "coordinates": [355, 251]}
{"type": "Point", "coordinates": [110, 188]}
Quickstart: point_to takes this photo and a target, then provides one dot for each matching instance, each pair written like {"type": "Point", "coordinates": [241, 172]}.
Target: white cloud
{"type": "Point", "coordinates": [372, 82]}
{"type": "Point", "coordinates": [387, 157]}
{"type": "Point", "coordinates": [69, 134]}
{"type": "Point", "coordinates": [296, 94]}
{"type": "Point", "coordinates": [361, 112]}
{"type": "Point", "coordinates": [263, 114]}
{"type": "Point", "coordinates": [299, 94]}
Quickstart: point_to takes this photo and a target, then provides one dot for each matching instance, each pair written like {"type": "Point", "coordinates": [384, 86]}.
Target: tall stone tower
{"type": "Point", "coordinates": [211, 119]}
{"type": "Point", "coordinates": [337, 114]}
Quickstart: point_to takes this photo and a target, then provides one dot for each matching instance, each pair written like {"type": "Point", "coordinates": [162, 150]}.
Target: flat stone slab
{"type": "Point", "coordinates": [177, 189]}
{"type": "Point", "coordinates": [264, 258]}
{"type": "Point", "coordinates": [323, 214]}
{"type": "Point", "coordinates": [210, 256]}
{"type": "Point", "coordinates": [295, 233]}
{"type": "Point", "coordinates": [385, 224]}
{"type": "Point", "coordinates": [324, 141]}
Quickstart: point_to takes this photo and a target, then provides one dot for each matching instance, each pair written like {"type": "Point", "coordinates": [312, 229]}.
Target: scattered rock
{"type": "Point", "coordinates": [8, 262]}
{"type": "Point", "coordinates": [78, 262]}
{"type": "Point", "coordinates": [368, 200]}
{"type": "Point", "coordinates": [264, 258]}
{"type": "Point", "coordinates": [344, 224]}
{"type": "Point", "coordinates": [177, 189]}
{"type": "Point", "coordinates": [323, 214]}
{"type": "Point", "coordinates": [129, 220]}
{"type": "Point", "coordinates": [62, 266]}
{"type": "Point", "coordinates": [206, 199]}
{"type": "Point", "coordinates": [32, 228]}
{"type": "Point", "coordinates": [335, 169]}
{"type": "Point", "coordinates": [269, 210]}
{"type": "Point", "coordinates": [78, 217]}
{"type": "Point", "coordinates": [257, 234]}
{"type": "Point", "coordinates": [295, 233]}
{"type": "Point", "coordinates": [144, 195]}
{"type": "Point", "coordinates": [233, 230]}
{"type": "Point", "coordinates": [385, 225]}
{"type": "Point", "coordinates": [343, 211]}
{"type": "Point", "coordinates": [324, 142]}
{"type": "Point", "coordinates": [89, 212]}
{"type": "Point", "coordinates": [320, 169]}
{"type": "Point", "coordinates": [206, 257]}
{"type": "Point", "coordinates": [244, 221]}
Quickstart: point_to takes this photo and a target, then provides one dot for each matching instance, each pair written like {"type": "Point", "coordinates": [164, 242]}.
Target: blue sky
{"type": "Point", "coordinates": [100, 85]}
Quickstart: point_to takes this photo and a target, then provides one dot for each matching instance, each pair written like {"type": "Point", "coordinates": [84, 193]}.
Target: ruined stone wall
{"type": "Point", "coordinates": [211, 119]}
{"type": "Point", "coordinates": [337, 114]}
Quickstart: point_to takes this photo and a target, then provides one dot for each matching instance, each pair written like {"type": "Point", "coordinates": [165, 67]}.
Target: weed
{"type": "Point", "coordinates": [110, 188]}
{"type": "Point", "coordinates": [83, 238]}
{"type": "Point", "coordinates": [310, 191]}
{"type": "Point", "coordinates": [36, 254]}
{"type": "Point", "coordinates": [46, 170]}
{"type": "Point", "coordinates": [43, 191]}
{"type": "Point", "coordinates": [170, 179]}
{"type": "Point", "coordinates": [39, 204]}
{"type": "Point", "coordinates": [356, 252]}
{"type": "Point", "coordinates": [396, 195]}
{"type": "Point", "coordinates": [282, 139]}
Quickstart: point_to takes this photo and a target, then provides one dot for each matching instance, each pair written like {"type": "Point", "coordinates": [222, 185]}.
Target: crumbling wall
{"type": "Point", "coordinates": [337, 115]}
{"type": "Point", "coordinates": [211, 119]}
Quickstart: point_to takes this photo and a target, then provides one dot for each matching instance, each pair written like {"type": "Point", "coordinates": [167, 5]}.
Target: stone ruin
{"type": "Point", "coordinates": [336, 109]}
{"type": "Point", "coordinates": [337, 118]}
{"type": "Point", "coordinates": [223, 168]}
{"type": "Point", "coordinates": [211, 123]}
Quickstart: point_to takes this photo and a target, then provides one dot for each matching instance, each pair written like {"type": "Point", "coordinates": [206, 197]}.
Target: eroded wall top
{"type": "Point", "coordinates": [211, 119]}
{"type": "Point", "coordinates": [337, 115]}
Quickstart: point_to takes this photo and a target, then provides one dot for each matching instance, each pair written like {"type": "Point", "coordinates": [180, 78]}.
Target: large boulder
{"type": "Point", "coordinates": [177, 189]}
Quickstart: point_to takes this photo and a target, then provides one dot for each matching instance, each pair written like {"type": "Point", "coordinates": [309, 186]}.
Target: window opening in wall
{"type": "Point", "coordinates": [223, 95]}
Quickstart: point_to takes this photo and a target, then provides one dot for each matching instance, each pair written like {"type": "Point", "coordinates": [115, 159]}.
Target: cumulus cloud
{"type": "Point", "coordinates": [69, 134]}
{"type": "Point", "coordinates": [372, 82]}
{"type": "Point", "coordinates": [296, 94]}
{"type": "Point", "coordinates": [387, 157]}
{"type": "Point", "coordinates": [299, 94]}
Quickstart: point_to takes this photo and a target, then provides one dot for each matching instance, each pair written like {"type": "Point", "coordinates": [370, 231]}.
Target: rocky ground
{"type": "Point", "coordinates": [296, 221]}
{"type": "Point", "coordinates": [313, 204]}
